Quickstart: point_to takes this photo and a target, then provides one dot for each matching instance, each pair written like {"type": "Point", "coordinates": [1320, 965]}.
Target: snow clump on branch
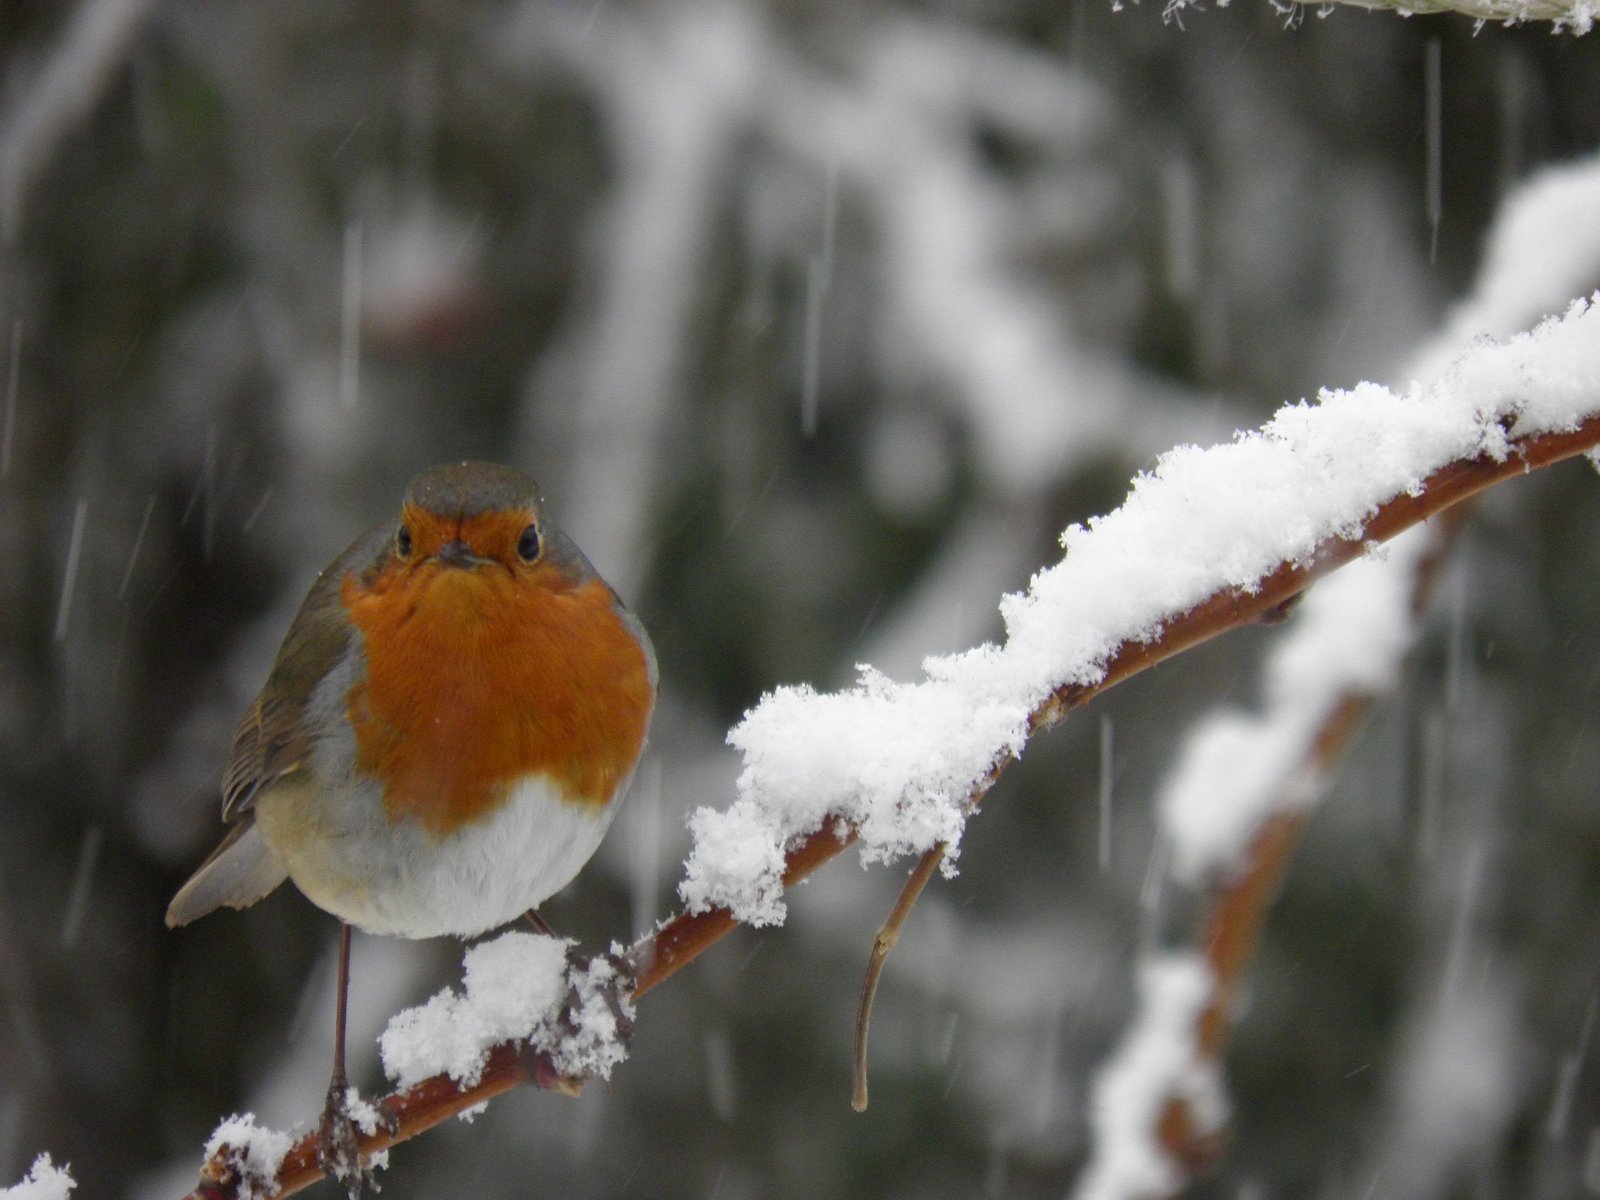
{"type": "Point", "coordinates": [254, 1151]}
{"type": "Point", "coordinates": [44, 1181]}
{"type": "Point", "coordinates": [516, 987]}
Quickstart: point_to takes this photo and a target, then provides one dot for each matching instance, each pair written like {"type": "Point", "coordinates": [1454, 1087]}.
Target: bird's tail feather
{"type": "Point", "coordinates": [239, 872]}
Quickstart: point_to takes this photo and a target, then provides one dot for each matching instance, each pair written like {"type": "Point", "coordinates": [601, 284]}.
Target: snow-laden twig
{"type": "Point", "coordinates": [1576, 16]}
{"type": "Point", "coordinates": [1153, 1066]}
{"type": "Point", "coordinates": [44, 1181]}
{"type": "Point", "coordinates": [248, 1154]}
{"type": "Point", "coordinates": [899, 762]}
{"type": "Point", "coordinates": [528, 1013]}
{"type": "Point", "coordinates": [516, 987]}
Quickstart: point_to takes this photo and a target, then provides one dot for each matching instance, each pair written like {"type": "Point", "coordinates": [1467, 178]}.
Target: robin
{"type": "Point", "coordinates": [449, 725]}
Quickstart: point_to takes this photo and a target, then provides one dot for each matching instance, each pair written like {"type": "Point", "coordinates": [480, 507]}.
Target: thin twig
{"type": "Point", "coordinates": [413, 1111]}
{"type": "Point", "coordinates": [881, 945]}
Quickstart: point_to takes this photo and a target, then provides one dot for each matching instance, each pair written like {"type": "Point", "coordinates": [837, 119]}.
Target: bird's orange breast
{"type": "Point", "coordinates": [477, 677]}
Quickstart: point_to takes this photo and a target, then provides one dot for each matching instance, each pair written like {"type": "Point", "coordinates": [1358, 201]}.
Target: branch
{"type": "Point", "coordinates": [409, 1113]}
{"type": "Point", "coordinates": [684, 938]}
{"type": "Point", "coordinates": [1576, 15]}
{"type": "Point", "coordinates": [885, 941]}
{"type": "Point", "coordinates": [1232, 608]}
{"type": "Point", "coordinates": [687, 936]}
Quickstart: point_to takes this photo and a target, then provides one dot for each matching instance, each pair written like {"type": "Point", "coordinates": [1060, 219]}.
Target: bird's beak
{"type": "Point", "coordinates": [457, 554]}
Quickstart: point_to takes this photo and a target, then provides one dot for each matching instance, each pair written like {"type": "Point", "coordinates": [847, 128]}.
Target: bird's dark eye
{"type": "Point", "coordinates": [528, 543]}
{"type": "Point", "coordinates": [402, 542]}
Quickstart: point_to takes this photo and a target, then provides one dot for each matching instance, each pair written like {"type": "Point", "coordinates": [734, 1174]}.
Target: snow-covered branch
{"type": "Point", "coordinates": [1210, 538]}
{"type": "Point", "coordinates": [1209, 541]}
{"type": "Point", "coordinates": [44, 1181]}
{"type": "Point", "coordinates": [1576, 16]}
{"type": "Point", "coordinates": [528, 1013]}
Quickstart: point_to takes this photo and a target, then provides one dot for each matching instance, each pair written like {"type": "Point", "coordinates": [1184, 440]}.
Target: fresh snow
{"type": "Point", "coordinates": [514, 987]}
{"type": "Point", "coordinates": [254, 1151]}
{"type": "Point", "coordinates": [1351, 636]}
{"type": "Point", "coordinates": [44, 1181]}
{"type": "Point", "coordinates": [899, 761]}
{"type": "Point", "coordinates": [1565, 16]}
{"type": "Point", "coordinates": [1151, 1069]}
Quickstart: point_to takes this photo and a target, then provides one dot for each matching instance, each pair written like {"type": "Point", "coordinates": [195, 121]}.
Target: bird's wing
{"type": "Point", "coordinates": [274, 740]}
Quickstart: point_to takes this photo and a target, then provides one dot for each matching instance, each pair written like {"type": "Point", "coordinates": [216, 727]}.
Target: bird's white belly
{"type": "Point", "coordinates": [399, 879]}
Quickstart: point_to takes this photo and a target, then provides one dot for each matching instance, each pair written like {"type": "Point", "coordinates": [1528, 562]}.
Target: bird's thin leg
{"type": "Point", "coordinates": [338, 1145]}
{"type": "Point", "coordinates": [340, 1080]}
{"type": "Point", "coordinates": [533, 918]}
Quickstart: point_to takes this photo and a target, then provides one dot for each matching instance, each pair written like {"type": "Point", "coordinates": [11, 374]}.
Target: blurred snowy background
{"type": "Point", "coordinates": [818, 322]}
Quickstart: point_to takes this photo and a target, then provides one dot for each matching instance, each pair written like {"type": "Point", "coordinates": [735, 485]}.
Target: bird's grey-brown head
{"type": "Point", "coordinates": [468, 489]}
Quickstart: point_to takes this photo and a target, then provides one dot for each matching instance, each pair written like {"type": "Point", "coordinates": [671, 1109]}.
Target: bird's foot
{"type": "Point", "coordinates": [345, 1118]}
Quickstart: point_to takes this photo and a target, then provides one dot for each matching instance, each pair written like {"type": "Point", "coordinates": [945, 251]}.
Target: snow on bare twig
{"type": "Point", "coordinates": [44, 1181]}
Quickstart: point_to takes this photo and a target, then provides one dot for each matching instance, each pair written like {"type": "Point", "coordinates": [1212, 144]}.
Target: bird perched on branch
{"type": "Point", "coordinates": [454, 715]}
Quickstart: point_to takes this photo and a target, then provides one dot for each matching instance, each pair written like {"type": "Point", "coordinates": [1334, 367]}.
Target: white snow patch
{"type": "Point", "coordinates": [362, 1112]}
{"type": "Point", "coordinates": [513, 988]}
{"type": "Point", "coordinates": [899, 760]}
{"type": "Point", "coordinates": [1155, 1065]}
{"type": "Point", "coordinates": [254, 1151]}
{"type": "Point", "coordinates": [1351, 634]}
{"type": "Point", "coordinates": [44, 1181]}
{"type": "Point", "coordinates": [1574, 16]}
{"type": "Point", "coordinates": [1543, 250]}
{"type": "Point", "coordinates": [595, 1041]}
